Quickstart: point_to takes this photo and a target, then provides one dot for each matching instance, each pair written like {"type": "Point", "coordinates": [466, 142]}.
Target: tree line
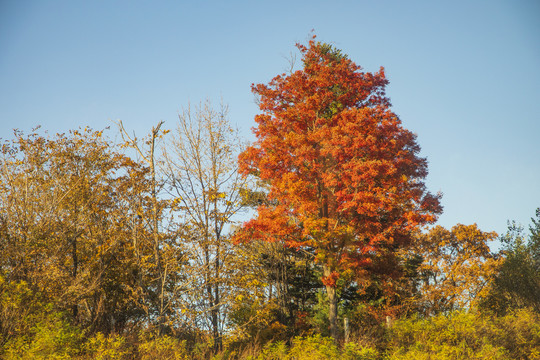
{"type": "Point", "coordinates": [189, 243]}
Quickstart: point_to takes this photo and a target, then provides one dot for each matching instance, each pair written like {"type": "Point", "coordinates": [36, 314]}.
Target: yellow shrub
{"type": "Point", "coordinates": [163, 348]}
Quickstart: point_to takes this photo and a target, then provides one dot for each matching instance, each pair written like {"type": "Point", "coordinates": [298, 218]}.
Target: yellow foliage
{"type": "Point", "coordinates": [457, 266]}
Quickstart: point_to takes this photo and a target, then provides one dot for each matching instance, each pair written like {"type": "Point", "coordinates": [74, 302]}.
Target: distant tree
{"type": "Point", "coordinates": [457, 268]}
{"type": "Point", "coordinates": [344, 175]}
{"type": "Point", "coordinates": [517, 284]}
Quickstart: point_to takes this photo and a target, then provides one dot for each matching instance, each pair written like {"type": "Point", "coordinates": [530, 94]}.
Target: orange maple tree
{"type": "Point", "coordinates": [344, 176]}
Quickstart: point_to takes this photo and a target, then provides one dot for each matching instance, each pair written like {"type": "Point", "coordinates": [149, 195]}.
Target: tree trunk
{"type": "Point", "coordinates": [346, 329]}
{"type": "Point", "coordinates": [75, 259]}
{"type": "Point", "coordinates": [218, 344]}
{"type": "Point", "coordinates": [332, 302]}
{"type": "Point", "coordinates": [331, 288]}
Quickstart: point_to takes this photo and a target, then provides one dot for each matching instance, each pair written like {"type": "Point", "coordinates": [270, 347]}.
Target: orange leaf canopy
{"type": "Point", "coordinates": [344, 175]}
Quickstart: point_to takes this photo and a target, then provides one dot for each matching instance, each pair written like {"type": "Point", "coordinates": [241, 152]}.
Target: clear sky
{"type": "Point", "coordinates": [464, 75]}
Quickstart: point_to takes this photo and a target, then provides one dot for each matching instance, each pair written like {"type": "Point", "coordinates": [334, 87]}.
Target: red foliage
{"type": "Point", "coordinates": [345, 173]}
{"type": "Point", "coordinates": [331, 279]}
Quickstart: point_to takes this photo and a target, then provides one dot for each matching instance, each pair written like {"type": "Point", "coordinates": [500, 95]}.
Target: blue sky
{"type": "Point", "coordinates": [464, 76]}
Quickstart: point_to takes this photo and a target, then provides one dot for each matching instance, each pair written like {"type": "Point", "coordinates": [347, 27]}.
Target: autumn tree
{"type": "Point", "coordinates": [345, 177]}
{"type": "Point", "coordinates": [63, 226]}
{"type": "Point", "coordinates": [206, 188]}
{"type": "Point", "coordinates": [457, 267]}
{"type": "Point", "coordinates": [161, 279]}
